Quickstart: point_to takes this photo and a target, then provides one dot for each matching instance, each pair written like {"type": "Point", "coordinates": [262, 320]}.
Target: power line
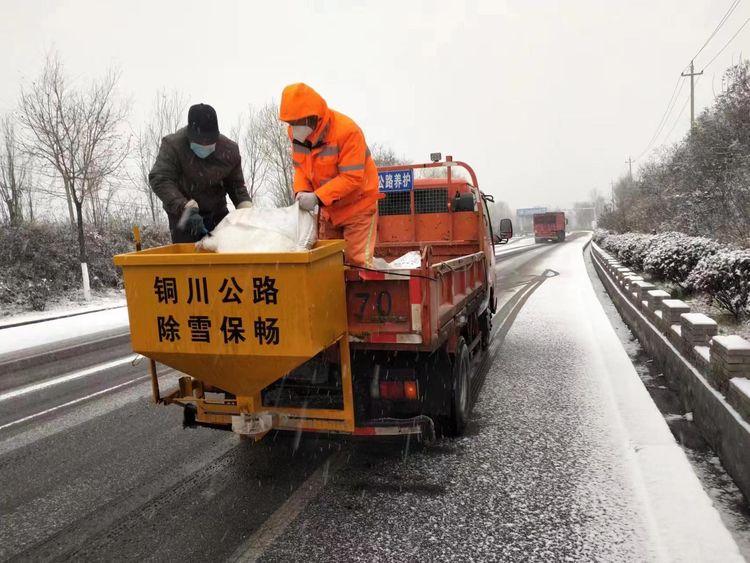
{"type": "Point", "coordinates": [665, 116]}
{"type": "Point", "coordinates": [726, 44]}
{"type": "Point", "coordinates": [692, 74]}
{"type": "Point", "coordinates": [676, 121]}
{"type": "Point", "coordinates": [723, 20]}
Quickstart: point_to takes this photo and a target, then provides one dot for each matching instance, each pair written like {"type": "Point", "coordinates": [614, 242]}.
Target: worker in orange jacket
{"type": "Point", "coordinates": [332, 168]}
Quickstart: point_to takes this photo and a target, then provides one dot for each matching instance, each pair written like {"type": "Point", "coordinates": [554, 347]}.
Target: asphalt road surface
{"type": "Point", "coordinates": [548, 470]}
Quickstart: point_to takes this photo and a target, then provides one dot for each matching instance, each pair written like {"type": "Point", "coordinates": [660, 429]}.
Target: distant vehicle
{"type": "Point", "coordinates": [549, 226]}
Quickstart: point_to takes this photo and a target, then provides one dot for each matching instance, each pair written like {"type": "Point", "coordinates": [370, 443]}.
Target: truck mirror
{"type": "Point", "coordinates": [505, 231]}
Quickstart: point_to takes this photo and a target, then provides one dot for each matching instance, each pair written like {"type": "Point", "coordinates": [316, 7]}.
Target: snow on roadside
{"type": "Point", "coordinates": [55, 331]}
{"type": "Point", "coordinates": [67, 306]}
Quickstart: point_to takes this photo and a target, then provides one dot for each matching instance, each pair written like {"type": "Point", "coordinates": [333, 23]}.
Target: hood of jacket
{"type": "Point", "coordinates": [300, 100]}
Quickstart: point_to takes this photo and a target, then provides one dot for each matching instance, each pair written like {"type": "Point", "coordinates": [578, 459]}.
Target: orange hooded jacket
{"type": "Point", "coordinates": [334, 161]}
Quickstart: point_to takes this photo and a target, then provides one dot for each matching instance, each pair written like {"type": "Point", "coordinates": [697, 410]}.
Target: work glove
{"type": "Point", "coordinates": [245, 204]}
{"type": "Point", "coordinates": [307, 200]}
{"type": "Point", "coordinates": [191, 221]}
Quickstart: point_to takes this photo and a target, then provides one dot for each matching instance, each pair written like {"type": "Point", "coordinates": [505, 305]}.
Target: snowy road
{"type": "Point", "coordinates": [552, 467]}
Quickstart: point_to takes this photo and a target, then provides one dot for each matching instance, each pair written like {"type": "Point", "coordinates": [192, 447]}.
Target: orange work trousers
{"type": "Point", "coordinates": [359, 232]}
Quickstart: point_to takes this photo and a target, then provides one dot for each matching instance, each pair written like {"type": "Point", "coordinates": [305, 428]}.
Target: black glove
{"type": "Point", "coordinates": [191, 223]}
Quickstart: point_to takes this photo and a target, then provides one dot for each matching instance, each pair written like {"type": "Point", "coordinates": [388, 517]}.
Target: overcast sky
{"type": "Point", "coordinates": [545, 99]}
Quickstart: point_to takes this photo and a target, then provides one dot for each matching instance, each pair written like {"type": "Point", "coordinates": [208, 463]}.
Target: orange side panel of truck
{"type": "Point", "coordinates": [444, 219]}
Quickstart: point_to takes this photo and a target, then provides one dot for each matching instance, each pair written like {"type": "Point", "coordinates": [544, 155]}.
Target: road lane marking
{"type": "Point", "coordinates": [73, 402]}
{"type": "Point", "coordinates": [275, 525]}
{"type": "Point", "coordinates": [64, 378]}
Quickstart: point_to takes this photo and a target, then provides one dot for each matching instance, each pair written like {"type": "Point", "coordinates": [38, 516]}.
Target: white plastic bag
{"type": "Point", "coordinates": [409, 261]}
{"type": "Point", "coordinates": [258, 229]}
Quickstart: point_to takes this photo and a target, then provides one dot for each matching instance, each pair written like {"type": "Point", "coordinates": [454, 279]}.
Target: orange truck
{"type": "Point", "coordinates": [549, 226]}
{"type": "Point", "coordinates": [299, 341]}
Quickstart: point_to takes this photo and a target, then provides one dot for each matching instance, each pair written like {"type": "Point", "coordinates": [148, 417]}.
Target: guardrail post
{"type": "Point", "coordinates": [654, 297]}
{"type": "Point", "coordinates": [697, 329]}
{"type": "Point", "coordinates": [730, 357]}
{"type": "Point", "coordinates": [738, 395]}
{"type": "Point", "coordinates": [671, 311]}
{"type": "Point", "coordinates": [639, 289]}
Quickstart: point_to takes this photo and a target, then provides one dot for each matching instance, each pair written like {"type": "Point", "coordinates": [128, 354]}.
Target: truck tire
{"type": "Point", "coordinates": [485, 329]}
{"type": "Point", "coordinates": [537, 240]}
{"type": "Point", "coordinates": [460, 391]}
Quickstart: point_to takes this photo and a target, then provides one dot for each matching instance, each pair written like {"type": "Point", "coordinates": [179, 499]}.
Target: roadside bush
{"type": "Point", "coordinates": [40, 261]}
{"type": "Point", "coordinates": [600, 235]}
{"type": "Point", "coordinates": [725, 276]}
{"type": "Point", "coordinates": [630, 248]}
{"type": "Point", "coordinates": [672, 256]}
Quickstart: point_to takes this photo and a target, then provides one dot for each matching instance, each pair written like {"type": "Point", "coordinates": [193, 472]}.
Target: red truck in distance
{"type": "Point", "coordinates": [549, 226]}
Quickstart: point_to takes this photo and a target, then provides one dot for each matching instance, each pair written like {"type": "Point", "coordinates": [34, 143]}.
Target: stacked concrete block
{"type": "Point", "coordinates": [730, 357]}
{"type": "Point", "coordinates": [627, 280]}
{"type": "Point", "coordinates": [738, 395]}
{"type": "Point", "coordinates": [655, 297]}
{"type": "Point", "coordinates": [697, 328]}
{"type": "Point", "coordinates": [671, 310]}
{"type": "Point", "coordinates": [639, 288]}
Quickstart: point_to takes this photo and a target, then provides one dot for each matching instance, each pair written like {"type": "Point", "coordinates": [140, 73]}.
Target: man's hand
{"type": "Point", "coordinates": [244, 205]}
{"type": "Point", "coordinates": [307, 200]}
{"type": "Point", "coordinates": [191, 221]}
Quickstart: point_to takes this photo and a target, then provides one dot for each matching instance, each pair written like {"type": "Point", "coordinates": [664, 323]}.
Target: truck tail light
{"type": "Point", "coordinates": [399, 390]}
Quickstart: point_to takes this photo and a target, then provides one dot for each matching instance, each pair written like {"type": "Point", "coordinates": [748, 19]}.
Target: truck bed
{"type": "Point", "coordinates": [413, 308]}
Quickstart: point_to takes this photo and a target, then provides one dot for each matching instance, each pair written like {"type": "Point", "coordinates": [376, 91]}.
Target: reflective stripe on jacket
{"type": "Point", "coordinates": [334, 162]}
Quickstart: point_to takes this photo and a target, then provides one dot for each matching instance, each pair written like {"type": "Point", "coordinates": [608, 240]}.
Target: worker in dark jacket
{"type": "Point", "coordinates": [197, 167]}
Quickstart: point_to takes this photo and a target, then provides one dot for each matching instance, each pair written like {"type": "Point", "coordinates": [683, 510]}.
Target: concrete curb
{"type": "Point", "coordinates": [39, 355]}
{"type": "Point", "coordinates": [721, 425]}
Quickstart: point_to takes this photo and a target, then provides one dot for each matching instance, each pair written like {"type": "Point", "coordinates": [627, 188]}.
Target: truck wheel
{"type": "Point", "coordinates": [485, 329]}
{"type": "Point", "coordinates": [461, 390]}
{"type": "Point", "coordinates": [562, 236]}
{"type": "Point", "coordinates": [537, 240]}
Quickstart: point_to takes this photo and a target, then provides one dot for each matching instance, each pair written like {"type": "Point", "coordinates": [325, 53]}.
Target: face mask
{"type": "Point", "coordinates": [202, 151]}
{"type": "Point", "coordinates": [301, 132]}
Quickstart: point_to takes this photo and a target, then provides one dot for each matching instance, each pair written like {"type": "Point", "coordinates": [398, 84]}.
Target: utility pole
{"type": "Point", "coordinates": [692, 74]}
{"type": "Point", "coordinates": [629, 162]}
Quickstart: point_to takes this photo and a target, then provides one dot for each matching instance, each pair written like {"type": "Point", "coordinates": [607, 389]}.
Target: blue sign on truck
{"type": "Point", "coordinates": [396, 181]}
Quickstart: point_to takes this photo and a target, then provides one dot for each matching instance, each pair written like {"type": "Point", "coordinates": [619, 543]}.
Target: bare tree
{"type": "Point", "coordinates": [101, 192]}
{"type": "Point", "coordinates": [15, 175]}
{"type": "Point", "coordinates": [386, 156]}
{"type": "Point", "coordinates": [254, 165]}
{"type": "Point", "coordinates": [167, 115]}
{"type": "Point", "coordinates": [276, 150]}
{"type": "Point", "coordinates": [77, 132]}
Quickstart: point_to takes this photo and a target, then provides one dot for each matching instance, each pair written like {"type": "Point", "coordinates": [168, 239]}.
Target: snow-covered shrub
{"type": "Point", "coordinates": [725, 276]}
{"type": "Point", "coordinates": [39, 261]}
{"type": "Point", "coordinates": [600, 235]}
{"type": "Point", "coordinates": [672, 256]}
{"type": "Point", "coordinates": [630, 248]}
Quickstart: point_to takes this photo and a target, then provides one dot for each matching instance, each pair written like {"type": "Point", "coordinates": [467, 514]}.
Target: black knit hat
{"type": "Point", "coordinates": [203, 127]}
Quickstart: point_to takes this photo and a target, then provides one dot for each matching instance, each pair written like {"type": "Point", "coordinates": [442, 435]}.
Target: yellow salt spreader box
{"type": "Point", "coordinates": [237, 322]}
